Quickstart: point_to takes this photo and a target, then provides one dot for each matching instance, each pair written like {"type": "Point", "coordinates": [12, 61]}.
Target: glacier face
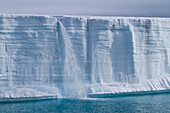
{"type": "Point", "coordinates": [26, 55]}
{"type": "Point", "coordinates": [73, 56]}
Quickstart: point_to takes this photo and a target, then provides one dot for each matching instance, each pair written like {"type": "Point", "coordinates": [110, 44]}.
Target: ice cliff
{"type": "Point", "coordinates": [73, 56]}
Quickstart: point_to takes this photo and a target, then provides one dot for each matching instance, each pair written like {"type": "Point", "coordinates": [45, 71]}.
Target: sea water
{"type": "Point", "coordinates": [132, 104]}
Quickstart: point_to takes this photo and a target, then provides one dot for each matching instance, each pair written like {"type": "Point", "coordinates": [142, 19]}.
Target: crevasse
{"type": "Point", "coordinates": [75, 56]}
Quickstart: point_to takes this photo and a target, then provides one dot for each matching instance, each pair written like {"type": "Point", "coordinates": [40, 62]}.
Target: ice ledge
{"type": "Point", "coordinates": [154, 86]}
{"type": "Point", "coordinates": [23, 99]}
{"type": "Point", "coordinates": [25, 94]}
{"type": "Point", "coordinates": [135, 93]}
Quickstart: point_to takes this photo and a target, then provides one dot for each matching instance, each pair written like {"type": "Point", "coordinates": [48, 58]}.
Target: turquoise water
{"type": "Point", "coordinates": [135, 104]}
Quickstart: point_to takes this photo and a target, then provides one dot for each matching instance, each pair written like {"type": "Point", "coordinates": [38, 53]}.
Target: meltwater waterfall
{"type": "Point", "coordinates": [76, 57]}
{"type": "Point", "coordinates": [72, 79]}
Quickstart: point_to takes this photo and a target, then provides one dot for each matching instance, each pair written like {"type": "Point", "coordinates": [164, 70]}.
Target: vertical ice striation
{"type": "Point", "coordinates": [27, 50]}
{"type": "Point", "coordinates": [122, 54]}
{"type": "Point", "coordinates": [74, 56]}
{"type": "Point", "coordinates": [101, 46]}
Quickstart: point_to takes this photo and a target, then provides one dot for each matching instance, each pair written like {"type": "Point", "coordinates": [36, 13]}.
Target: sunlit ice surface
{"type": "Point", "coordinates": [82, 56]}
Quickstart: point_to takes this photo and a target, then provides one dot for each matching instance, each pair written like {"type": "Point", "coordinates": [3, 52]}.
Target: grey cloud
{"type": "Point", "coordinates": [88, 7]}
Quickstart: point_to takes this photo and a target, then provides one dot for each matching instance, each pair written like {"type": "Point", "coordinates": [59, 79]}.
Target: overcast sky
{"type": "Point", "coordinates": [87, 7]}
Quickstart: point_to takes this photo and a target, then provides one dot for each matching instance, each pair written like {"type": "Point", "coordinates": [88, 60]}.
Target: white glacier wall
{"type": "Point", "coordinates": [73, 56]}
{"type": "Point", "coordinates": [121, 54]}
{"type": "Point", "coordinates": [26, 54]}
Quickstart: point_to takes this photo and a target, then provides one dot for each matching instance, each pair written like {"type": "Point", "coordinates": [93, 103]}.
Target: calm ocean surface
{"type": "Point", "coordinates": [134, 104]}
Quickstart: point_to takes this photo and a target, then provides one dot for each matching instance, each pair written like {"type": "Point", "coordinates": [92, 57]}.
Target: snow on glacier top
{"type": "Point", "coordinates": [111, 17]}
{"type": "Point", "coordinates": [79, 16]}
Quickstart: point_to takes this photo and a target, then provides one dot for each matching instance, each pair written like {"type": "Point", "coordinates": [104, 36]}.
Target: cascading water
{"type": "Point", "coordinates": [72, 81]}
{"type": "Point", "coordinates": [80, 56]}
{"type": "Point", "coordinates": [124, 54]}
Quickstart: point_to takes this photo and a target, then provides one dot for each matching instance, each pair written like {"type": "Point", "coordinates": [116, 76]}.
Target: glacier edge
{"type": "Point", "coordinates": [89, 55]}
